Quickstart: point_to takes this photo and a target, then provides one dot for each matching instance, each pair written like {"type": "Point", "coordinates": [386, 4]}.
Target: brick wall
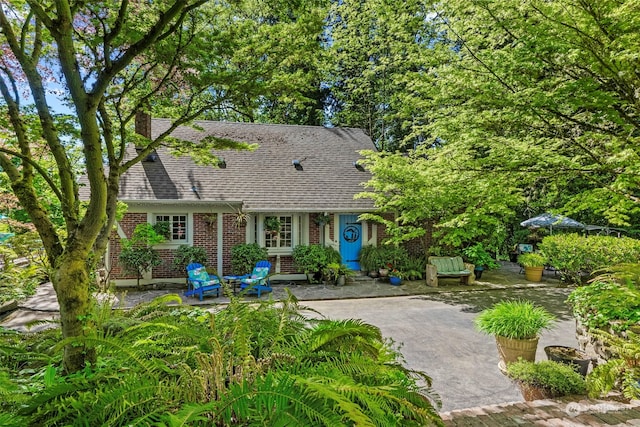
{"type": "Point", "coordinates": [233, 235]}
{"type": "Point", "coordinates": [205, 236]}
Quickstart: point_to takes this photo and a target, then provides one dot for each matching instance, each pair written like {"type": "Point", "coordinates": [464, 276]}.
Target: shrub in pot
{"type": "Point", "coordinates": [516, 326]}
{"type": "Point", "coordinates": [546, 379]}
{"type": "Point", "coordinates": [313, 259]}
{"type": "Point", "coordinates": [480, 258]}
{"type": "Point", "coordinates": [533, 264]}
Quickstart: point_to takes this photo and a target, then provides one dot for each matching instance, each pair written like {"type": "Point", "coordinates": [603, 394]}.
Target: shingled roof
{"type": "Point", "coordinates": [261, 180]}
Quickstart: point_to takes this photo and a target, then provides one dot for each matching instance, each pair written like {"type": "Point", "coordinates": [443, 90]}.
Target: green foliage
{"type": "Point", "coordinates": [532, 259]}
{"type": "Point", "coordinates": [313, 259]}
{"type": "Point", "coordinates": [621, 371]}
{"type": "Point", "coordinates": [385, 256]}
{"type": "Point", "coordinates": [187, 254]}
{"type": "Point", "coordinates": [138, 254]}
{"type": "Point", "coordinates": [416, 267]}
{"type": "Point", "coordinates": [19, 282]}
{"type": "Point", "coordinates": [604, 305]}
{"type": "Point", "coordinates": [262, 363]}
{"type": "Point", "coordinates": [514, 319]}
{"type": "Point", "coordinates": [272, 223]}
{"type": "Point", "coordinates": [478, 256]}
{"type": "Point", "coordinates": [163, 228]}
{"type": "Point", "coordinates": [334, 270]}
{"type": "Point", "coordinates": [574, 255]}
{"type": "Point", "coordinates": [558, 378]}
{"type": "Point", "coordinates": [245, 256]}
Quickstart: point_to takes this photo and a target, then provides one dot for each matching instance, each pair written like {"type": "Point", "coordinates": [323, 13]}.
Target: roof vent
{"type": "Point", "coordinates": [297, 164]}
{"type": "Point", "coordinates": [358, 166]}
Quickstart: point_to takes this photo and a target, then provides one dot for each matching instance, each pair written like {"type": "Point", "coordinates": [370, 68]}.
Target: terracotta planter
{"type": "Point", "coordinates": [510, 349]}
{"type": "Point", "coordinates": [531, 392]}
{"type": "Point", "coordinates": [533, 274]}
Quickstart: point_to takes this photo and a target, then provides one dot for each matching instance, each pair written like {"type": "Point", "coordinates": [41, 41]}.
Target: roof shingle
{"type": "Point", "coordinates": [264, 179]}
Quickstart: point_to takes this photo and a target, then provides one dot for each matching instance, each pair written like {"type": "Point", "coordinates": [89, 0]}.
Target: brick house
{"type": "Point", "coordinates": [298, 174]}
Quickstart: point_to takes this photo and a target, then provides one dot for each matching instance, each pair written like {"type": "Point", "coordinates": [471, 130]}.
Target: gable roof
{"type": "Point", "coordinates": [261, 180]}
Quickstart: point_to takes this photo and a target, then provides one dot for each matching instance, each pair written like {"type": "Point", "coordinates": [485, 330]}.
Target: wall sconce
{"type": "Point", "coordinates": [297, 164]}
{"type": "Point", "coordinates": [358, 166]}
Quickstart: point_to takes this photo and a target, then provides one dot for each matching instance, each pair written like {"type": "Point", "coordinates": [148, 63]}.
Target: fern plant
{"type": "Point", "coordinates": [622, 371]}
{"type": "Point", "coordinates": [262, 363]}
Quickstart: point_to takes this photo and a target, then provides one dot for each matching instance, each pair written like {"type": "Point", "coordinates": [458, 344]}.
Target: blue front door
{"type": "Point", "coordinates": [350, 240]}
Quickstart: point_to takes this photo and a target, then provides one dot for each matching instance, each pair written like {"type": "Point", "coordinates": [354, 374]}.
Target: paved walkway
{"type": "Point", "coordinates": [44, 306]}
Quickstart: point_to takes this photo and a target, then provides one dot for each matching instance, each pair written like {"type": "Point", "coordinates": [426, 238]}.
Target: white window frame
{"type": "Point", "coordinates": [173, 244]}
{"type": "Point", "coordinates": [299, 231]}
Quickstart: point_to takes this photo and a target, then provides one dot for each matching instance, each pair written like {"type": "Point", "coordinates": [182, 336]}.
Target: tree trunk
{"type": "Point", "coordinates": [70, 280]}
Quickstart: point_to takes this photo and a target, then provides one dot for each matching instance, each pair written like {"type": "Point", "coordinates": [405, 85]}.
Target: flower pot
{"type": "Point", "coordinates": [533, 274]}
{"type": "Point", "coordinates": [511, 349]}
{"type": "Point", "coordinates": [373, 274]}
{"type": "Point", "coordinates": [395, 281]}
{"type": "Point", "coordinates": [383, 272]}
{"type": "Point", "coordinates": [569, 356]}
{"type": "Point", "coordinates": [478, 272]}
{"type": "Point", "coordinates": [532, 392]}
{"type": "Point", "coordinates": [342, 279]}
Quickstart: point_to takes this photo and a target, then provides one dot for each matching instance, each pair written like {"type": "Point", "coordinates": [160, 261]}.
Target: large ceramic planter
{"type": "Point", "coordinates": [395, 281]}
{"type": "Point", "coordinates": [511, 349]}
{"type": "Point", "coordinates": [533, 274]}
{"type": "Point", "coordinates": [569, 356]}
{"type": "Point", "coordinates": [478, 272]}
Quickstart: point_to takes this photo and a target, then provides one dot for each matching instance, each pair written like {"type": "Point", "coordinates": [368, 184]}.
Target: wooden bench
{"type": "Point", "coordinates": [448, 267]}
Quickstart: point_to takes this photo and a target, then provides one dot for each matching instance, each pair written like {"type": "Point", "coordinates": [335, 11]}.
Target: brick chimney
{"type": "Point", "coordinates": [143, 124]}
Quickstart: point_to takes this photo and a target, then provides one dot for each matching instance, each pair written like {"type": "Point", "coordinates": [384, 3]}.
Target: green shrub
{"type": "Point", "coordinates": [514, 319]}
{"type": "Point", "coordinates": [601, 305]}
{"type": "Point", "coordinates": [532, 259]}
{"type": "Point", "coordinates": [479, 257]}
{"type": "Point", "coordinates": [245, 256]}
{"type": "Point", "coordinates": [557, 378]}
{"type": "Point", "coordinates": [385, 256]}
{"type": "Point", "coordinates": [187, 254]}
{"type": "Point", "coordinates": [575, 256]}
{"type": "Point", "coordinates": [312, 260]}
{"type": "Point", "coordinates": [138, 254]}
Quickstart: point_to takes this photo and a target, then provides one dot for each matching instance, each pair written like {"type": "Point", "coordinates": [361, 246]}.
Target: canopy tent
{"type": "Point", "coordinates": [551, 220]}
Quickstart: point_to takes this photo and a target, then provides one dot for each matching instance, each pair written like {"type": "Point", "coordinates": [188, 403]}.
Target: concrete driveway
{"type": "Point", "coordinates": [436, 335]}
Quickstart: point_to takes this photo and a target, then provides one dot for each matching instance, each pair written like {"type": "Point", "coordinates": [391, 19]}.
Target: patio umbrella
{"type": "Point", "coordinates": [551, 220]}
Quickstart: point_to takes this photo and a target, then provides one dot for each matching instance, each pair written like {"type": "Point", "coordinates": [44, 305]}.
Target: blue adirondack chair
{"type": "Point", "coordinates": [200, 283]}
{"type": "Point", "coordinates": [258, 281]}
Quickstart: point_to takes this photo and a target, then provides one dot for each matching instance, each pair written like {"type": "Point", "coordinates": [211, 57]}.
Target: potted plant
{"type": "Point", "coordinates": [323, 219]}
{"type": "Point", "coordinates": [338, 273]}
{"type": "Point", "coordinates": [533, 264]}
{"type": "Point", "coordinates": [480, 258]}
{"type": "Point", "coordinates": [272, 224]}
{"type": "Point", "coordinates": [578, 359]}
{"type": "Point", "coordinates": [395, 277]}
{"type": "Point", "coordinates": [516, 326]}
{"type": "Point", "coordinates": [546, 379]}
